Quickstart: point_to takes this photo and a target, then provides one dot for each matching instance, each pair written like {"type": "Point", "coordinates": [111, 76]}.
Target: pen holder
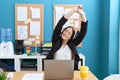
{"type": "Point", "coordinates": [28, 51]}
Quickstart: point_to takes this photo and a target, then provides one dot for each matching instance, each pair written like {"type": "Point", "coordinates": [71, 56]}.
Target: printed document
{"type": "Point", "coordinates": [34, 76]}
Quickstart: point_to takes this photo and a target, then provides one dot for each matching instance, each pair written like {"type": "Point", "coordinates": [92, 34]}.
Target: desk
{"type": "Point", "coordinates": [19, 75]}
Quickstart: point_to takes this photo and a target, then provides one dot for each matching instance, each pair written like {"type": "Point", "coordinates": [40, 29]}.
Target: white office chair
{"type": "Point", "coordinates": [81, 61]}
{"type": "Point", "coordinates": [113, 77]}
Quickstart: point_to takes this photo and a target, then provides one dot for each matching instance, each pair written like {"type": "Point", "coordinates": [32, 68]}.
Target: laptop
{"type": "Point", "coordinates": [59, 69]}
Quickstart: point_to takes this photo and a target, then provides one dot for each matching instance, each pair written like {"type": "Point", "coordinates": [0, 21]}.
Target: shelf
{"type": "Point", "coordinates": [39, 61]}
{"type": "Point", "coordinates": [17, 61]}
{"type": "Point", "coordinates": [45, 50]}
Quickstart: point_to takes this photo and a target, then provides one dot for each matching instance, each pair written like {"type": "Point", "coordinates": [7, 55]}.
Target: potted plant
{"type": "Point", "coordinates": [2, 75]}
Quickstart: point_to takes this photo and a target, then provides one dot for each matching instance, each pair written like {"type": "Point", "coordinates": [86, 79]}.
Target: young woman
{"type": "Point", "coordinates": [63, 41]}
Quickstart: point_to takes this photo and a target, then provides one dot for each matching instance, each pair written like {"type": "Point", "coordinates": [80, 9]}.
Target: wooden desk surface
{"type": "Point", "coordinates": [19, 75]}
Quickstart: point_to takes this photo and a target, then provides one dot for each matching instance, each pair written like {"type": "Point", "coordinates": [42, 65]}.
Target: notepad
{"type": "Point", "coordinates": [10, 75]}
{"type": "Point", "coordinates": [35, 76]}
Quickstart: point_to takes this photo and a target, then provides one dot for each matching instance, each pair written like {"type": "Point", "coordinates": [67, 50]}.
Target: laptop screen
{"type": "Point", "coordinates": [59, 69]}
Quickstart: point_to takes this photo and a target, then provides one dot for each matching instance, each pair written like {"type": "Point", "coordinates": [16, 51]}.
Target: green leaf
{"type": "Point", "coordinates": [3, 76]}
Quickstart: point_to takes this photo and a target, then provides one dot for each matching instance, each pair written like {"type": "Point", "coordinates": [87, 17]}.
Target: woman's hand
{"type": "Point", "coordinates": [76, 9]}
{"type": "Point", "coordinates": [82, 13]}
{"type": "Point", "coordinates": [69, 14]}
{"type": "Point", "coordinates": [79, 10]}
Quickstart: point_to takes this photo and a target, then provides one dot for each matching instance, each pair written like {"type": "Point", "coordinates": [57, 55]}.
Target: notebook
{"type": "Point", "coordinates": [59, 69]}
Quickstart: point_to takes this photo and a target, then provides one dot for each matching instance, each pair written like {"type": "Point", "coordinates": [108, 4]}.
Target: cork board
{"type": "Point", "coordinates": [29, 23]}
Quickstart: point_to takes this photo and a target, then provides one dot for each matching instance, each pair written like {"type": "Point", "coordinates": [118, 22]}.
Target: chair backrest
{"type": "Point", "coordinates": [81, 61]}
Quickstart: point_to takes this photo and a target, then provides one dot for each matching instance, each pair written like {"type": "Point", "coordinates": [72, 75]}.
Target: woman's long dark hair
{"type": "Point", "coordinates": [73, 31]}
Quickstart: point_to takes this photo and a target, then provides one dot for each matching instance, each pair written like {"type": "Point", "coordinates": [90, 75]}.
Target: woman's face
{"type": "Point", "coordinates": [66, 35]}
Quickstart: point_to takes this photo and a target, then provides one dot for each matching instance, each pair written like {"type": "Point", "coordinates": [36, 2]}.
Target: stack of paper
{"type": "Point", "coordinates": [36, 76]}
